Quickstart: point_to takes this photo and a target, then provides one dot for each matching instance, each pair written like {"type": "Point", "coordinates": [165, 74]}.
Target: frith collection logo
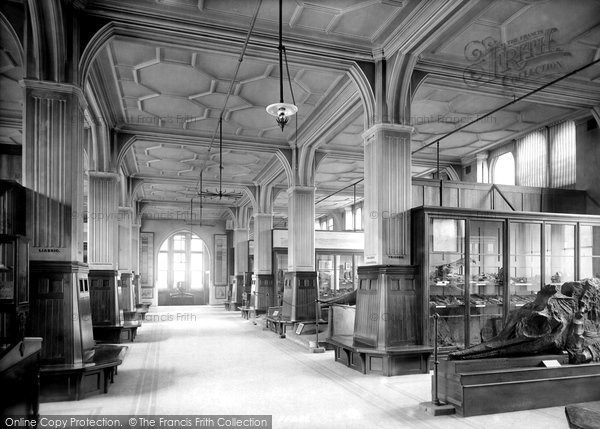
{"type": "Point", "coordinates": [527, 57]}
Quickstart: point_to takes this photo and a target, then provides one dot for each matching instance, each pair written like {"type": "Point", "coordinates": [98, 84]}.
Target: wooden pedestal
{"type": "Point", "coordinates": [388, 333]}
{"type": "Point", "coordinates": [299, 296]}
{"type": "Point", "coordinates": [392, 361]}
{"type": "Point", "coordinates": [262, 292]}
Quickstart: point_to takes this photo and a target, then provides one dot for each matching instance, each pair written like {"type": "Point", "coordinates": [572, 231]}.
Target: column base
{"type": "Point", "coordinates": [237, 290]}
{"type": "Point", "coordinates": [263, 292]}
{"type": "Point", "coordinates": [60, 311]}
{"type": "Point", "coordinates": [104, 298]}
{"type": "Point", "coordinates": [127, 291]}
{"type": "Point", "coordinates": [388, 309]}
{"type": "Point", "coordinates": [247, 289]}
{"type": "Point", "coordinates": [299, 296]}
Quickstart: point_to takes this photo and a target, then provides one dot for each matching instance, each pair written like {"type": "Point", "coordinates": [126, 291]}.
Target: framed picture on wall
{"type": "Point", "coordinates": [147, 259]}
{"type": "Point", "coordinates": [147, 293]}
{"type": "Point", "coordinates": [220, 278]}
{"type": "Point", "coordinates": [220, 292]}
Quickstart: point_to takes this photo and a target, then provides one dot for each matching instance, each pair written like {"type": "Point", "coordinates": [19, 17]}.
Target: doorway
{"type": "Point", "coordinates": [183, 270]}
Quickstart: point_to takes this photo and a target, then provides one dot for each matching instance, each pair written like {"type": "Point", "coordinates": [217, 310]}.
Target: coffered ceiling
{"type": "Point", "coordinates": [167, 91]}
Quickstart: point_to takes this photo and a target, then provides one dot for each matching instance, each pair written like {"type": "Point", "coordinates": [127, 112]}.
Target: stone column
{"type": "Point", "coordinates": [388, 190]}
{"type": "Point", "coordinates": [124, 259]}
{"type": "Point", "coordinates": [135, 261]}
{"type": "Point", "coordinates": [300, 287]}
{"type": "Point", "coordinates": [103, 248]}
{"type": "Point", "coordinates": [240, 262]}
{"type": "Point", "coordinates": [53, 175]}
{"type": "Point", "coordinates": [389, 302]}
{"type": "Point", "coordinates": [263, 291]}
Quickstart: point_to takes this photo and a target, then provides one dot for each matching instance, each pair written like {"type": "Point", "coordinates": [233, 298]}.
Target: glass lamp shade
{"type": "Point", "coordinates": [282, 111]}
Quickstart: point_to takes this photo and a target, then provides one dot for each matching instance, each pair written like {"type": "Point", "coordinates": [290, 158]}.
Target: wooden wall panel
{"type": "Point", "coordinates": [403, 312]}
{"type": "Point", "coordinates": [367, 312]}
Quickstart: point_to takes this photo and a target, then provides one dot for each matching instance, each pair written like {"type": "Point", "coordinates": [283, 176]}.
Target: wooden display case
{"type": "Point", "coordinates": [474, 263]}
{"type": "Point", "coordinates": [14, 290]}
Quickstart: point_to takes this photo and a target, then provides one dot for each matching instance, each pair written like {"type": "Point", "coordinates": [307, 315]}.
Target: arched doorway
{"type": "Point", "coordinates": [183, 270]}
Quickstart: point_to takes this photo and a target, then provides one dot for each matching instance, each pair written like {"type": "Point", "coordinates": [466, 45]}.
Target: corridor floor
{"type": "Point", "coordinates": [206, 361]}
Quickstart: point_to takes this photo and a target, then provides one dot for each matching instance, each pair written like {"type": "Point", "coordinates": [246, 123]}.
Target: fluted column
{"type": "Point", "coordinates": [263, 288]}
{"type": "Point", "coordinates": [388, 191]}
{"type": "Point", "coordinates": [103, 248]}
{"type": "Point", "coordinates": [135, 261]}
{"type": "Point", "coordinates": [53, 170]}
{"type": "Point", "coordinates": [103, 218]}
{"type": "Point", "coordinates": [240, 262]}
{"type": "Point", "coordinates": [53, 175]}
{"type": "Point", "coordinates": [300, 286]}
{"type": "Point", "coordinates": [124, 259]}
{"type": "Point", "coordinates": [301, 228]}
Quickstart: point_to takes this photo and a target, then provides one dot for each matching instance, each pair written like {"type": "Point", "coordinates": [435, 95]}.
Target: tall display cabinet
{"type": "Point", "coordinates": [478, 266]}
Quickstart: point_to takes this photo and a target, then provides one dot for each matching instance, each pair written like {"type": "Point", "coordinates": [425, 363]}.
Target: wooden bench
{"type": "Point", "coordinates": [74, 382]}
{"type": "Point", "coordinates": [412, 359]}
{"type": "Point", "coordinates": [247, 312]}
{"type": "Point", "coordinates": [116, 334]}
{"type": "Point", "coordinates": [19, 370]}
{"type": "Point", "coordinates": [275, 322]}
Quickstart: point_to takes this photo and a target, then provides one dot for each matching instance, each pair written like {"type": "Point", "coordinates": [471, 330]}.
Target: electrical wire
{"type": "Point", "coordinates": [231, 84]}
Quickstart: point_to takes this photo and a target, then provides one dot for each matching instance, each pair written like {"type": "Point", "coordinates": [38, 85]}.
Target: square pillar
{"type": "Point", "coordinates": [53, 175]}
{"type": "Point", "coordinates": [240, 263]}
{"type": "Point", "coordinates": [300, 286]}
{"type": "Point", "coordinates": [103, 248]}
{"type": "Point", "coordinates": [263, 291]}
{"type": "Point", "coordinates": [388, 191]}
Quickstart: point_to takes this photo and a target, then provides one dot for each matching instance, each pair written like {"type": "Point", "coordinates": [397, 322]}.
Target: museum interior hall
{"type": "Point", "coordinates": [300, 213]}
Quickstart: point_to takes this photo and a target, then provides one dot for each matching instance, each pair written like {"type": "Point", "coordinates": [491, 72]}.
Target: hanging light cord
{"type": "Point", "coordinates": [229, 91]}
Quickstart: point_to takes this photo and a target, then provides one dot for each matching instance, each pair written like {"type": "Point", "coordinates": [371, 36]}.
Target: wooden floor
{"type": "Point", "coordinates": [205, 360]}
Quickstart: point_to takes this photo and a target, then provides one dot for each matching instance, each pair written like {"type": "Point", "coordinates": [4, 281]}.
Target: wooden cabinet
{"type": "Point", "coordinates": [478, 266]}
{"type": "Point", "coordinates": [14, 290]}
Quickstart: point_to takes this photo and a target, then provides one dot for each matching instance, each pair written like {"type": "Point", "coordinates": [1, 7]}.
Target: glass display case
{"type": "Point", "coordinates": [589, 253]}
{"type": "Point", "coordinates": [506, 257]}
{"type": "Point", "coordinates": [337, 272]}
{"type": "Point", "coordinates": [525, 279]}
{"type": "Point", "coordinates": [280, 267]}
{"type": "Point", "coordinates": [14, 289]}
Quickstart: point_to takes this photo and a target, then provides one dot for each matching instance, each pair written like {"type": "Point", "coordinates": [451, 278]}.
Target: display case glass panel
{"type": "Point", "coordinates": [560, 253]}
{"type": "Point", "coordinates": [326, 274]}
{"type": "Point", "coordinates": [486, 294]}
{"type": "Point", "coordinates": [589, 244]}
{"type": "Point", "coordinates": [446, 279]}
{"type": "Point", "coordinates": [525, 264]}
{"type": "Point", "coordinates": [280, 268]}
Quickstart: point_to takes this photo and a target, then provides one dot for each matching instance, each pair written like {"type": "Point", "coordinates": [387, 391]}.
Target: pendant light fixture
{"type": "Point", "coordinates": [219, 193]}
{"type": "Point", "coordinates": [282, 111]}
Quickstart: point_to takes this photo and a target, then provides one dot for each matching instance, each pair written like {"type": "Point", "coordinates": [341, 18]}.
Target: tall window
{"type": "Point", "coordinates": [504, 170]}
{"type": "Point", "coordinates": [353, 218]}
{"type": "Point", "coordinates": [532, 160]}
{"type": "Point", "coordinates": [181, 262]}
{"type": "Point", "coordinates": [562, 155]}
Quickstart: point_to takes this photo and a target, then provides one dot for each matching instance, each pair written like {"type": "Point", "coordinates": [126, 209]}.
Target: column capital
{"type": "Point", "coordinates": [262, 215]}
{"type": "Point", "coordinates": [299, 188]}
{"type": "Point", "coordinates": [106, 175]}
{"type": "Point", "coordinates": [55, 87]}
{"type": "Point", "coordinates": [389, 128]}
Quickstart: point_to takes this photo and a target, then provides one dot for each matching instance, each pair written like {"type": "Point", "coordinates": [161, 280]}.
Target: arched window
{"type": "Point", "coordinates": [181, 262]}
{"type": "Point", "coordinates": [504, 170]}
